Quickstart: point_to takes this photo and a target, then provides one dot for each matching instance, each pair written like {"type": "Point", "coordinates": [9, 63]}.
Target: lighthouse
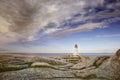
{"type": "Point", "coordinates": [75, 53]}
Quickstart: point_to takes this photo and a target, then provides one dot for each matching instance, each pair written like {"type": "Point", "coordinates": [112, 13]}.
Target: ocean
{"type": "Point", "coordinates": [65, 54]}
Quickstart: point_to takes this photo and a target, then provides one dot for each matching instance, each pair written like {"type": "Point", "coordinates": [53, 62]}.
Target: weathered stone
{"type": "Point", "coordinates": [42, 64]}
{"type": "Point", "coordinates": [1, 65]}
{"type": "Point", "coordinates": [17, 66]}
{"type": "Point", "coordinates": [100, 60]}
{"type": "Point", "coordinates": [85, 63]}
{"type": "Point", "coordinates": [86, 73]}
{"type": "Point", "coordinates": [35, 73]}
{"type": "Point", "coordinates": [118, 53]}
{"type": "Point", "coordinates": [46, 60]}
{"type": "Point", "coordinates": [109, 70]}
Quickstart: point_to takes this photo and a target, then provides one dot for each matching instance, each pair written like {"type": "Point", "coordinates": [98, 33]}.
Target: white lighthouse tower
{"type": "Point", "coordinates": [75, 53]}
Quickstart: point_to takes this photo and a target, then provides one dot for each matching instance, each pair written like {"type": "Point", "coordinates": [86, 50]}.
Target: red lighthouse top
{"type": "Point", "coordinates": [76, 46]}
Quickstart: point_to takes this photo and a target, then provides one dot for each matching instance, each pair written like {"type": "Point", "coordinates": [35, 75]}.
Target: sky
{"type": "Point", "coordinates": [55, 26]}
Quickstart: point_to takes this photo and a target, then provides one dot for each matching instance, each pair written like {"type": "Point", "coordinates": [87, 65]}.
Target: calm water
{"type": "Point", "coordinates": [65, 54]}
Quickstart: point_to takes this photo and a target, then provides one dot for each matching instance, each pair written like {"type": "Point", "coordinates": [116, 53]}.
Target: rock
{"type": "Point", "coordinates": [118, 53]}
{"type": "Point", "coordinates": [46, 60]}
{"type": "Point", "coordinates": [65, 67]}
{"type": "Point", "coordinates": [100, 60]}
{"type": "Point", "coordinates": [16, 61]}
{"type": "Point", "coordinates": [36, 74]}
{"type": "Point", "coordinates": [42, 64]}
{"type": "Point", "coordinates": [97, 79]}
{"type": "Point", "coordinates": [86, 73]}
{"type": "Point", "coordinates": [110, 69]}
{"type": "Point", "coordinates": [17, 66]}
{"type": "Point", "coordinates": [1, 65]}
{"type": "Point", "coordinates": [85, 63]}
{"type": "Point", "coordinates": [91, 61]}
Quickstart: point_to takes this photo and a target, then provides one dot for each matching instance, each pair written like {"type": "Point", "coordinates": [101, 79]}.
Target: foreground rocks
{"type": "Point", "coordinates": [92, 68]}
{"type": "Point", "coordinates": [36, 73]}
{"type": "Point", "coordinates": [101, 67]}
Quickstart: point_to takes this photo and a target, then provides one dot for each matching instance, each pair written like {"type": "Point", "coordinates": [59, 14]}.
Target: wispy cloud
{"type": "Point", "coordinates": [99, 36]}
{"type": "Point", "coordinates": [110, 35]}
{"type": "Point", "coordinates": [81, 28]}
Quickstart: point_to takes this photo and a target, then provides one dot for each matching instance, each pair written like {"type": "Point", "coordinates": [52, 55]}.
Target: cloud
{"type": "Point", "coordinates": [107, 36]}
{"type": "Point", "coordinates": [86, 27]}
{"type": "Point", "coordinates": [26, 20]}
{"type": "Point", "coordinates": [81, 28]}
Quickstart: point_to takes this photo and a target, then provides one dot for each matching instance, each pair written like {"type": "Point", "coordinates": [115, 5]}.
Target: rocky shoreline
{"type": "Point", "coordinates": [14, 67]}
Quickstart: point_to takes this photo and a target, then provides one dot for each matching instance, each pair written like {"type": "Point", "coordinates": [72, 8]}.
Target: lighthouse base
{"type": "Point", "coordinates": [76, 56]}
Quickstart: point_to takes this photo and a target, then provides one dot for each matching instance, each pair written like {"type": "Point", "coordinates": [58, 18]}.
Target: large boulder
{"type": "Point", "coordinates": [85, 63]}
{"type": "Point", "coordinates": [118, 53]}
{"type": "Point", "coordinates": [89, 62]}
{"type": "Point", "coordinates": [108, 69]}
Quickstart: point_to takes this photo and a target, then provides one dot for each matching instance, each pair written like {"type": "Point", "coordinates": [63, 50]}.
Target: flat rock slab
{"type": "Point", "coordinates": [35, 74]}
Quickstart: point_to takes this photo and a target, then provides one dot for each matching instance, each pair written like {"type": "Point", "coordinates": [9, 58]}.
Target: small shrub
{"type": "Point", "coordinates": [29, 64]}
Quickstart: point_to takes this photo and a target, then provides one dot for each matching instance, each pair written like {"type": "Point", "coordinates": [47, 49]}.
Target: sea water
{"type": "Point", "coordinates": [66, 54]}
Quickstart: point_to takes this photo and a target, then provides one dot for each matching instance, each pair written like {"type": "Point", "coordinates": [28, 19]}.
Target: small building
{"type": "Point", "coordinates": [75, 58]}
